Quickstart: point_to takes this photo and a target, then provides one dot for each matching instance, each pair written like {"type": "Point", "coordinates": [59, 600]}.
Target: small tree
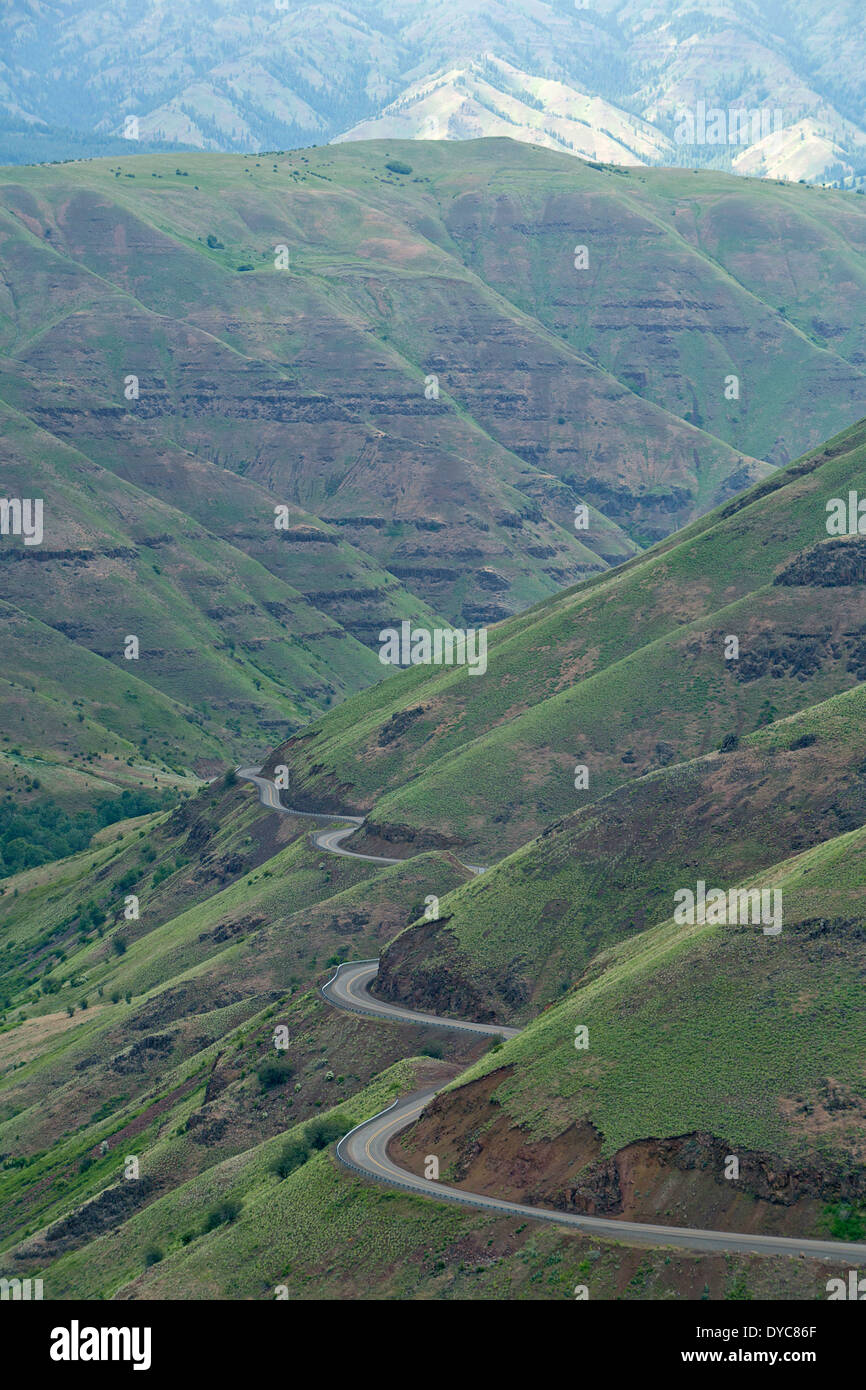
{"type": "Point", "coordinates": [294, 1155]}
{"type": "Point", "coordinates": [272, 1074]}
{"type": "Point", "coordinates": [223, 1214]}
{"type": "Point", "coordinates": [320, 1133]}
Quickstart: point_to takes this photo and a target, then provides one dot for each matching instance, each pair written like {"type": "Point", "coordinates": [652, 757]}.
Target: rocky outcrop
{"type": "Point", "coordinates": [829, 565]}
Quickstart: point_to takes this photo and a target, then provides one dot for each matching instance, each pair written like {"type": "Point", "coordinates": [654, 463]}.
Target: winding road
{"type": "Point", "coordinates": [328, 840]}
{"type": "Point", "coordinates": [365, 1148]}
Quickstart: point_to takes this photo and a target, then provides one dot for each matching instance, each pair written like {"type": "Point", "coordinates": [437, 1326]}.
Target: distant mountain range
{"type": "Point", "coordinates": [604, 80]}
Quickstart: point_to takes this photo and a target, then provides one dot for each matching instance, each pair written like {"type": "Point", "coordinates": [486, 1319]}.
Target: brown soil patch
{"type": "Point", "coordinates": [677, 1180]}
{"type": "Point", "coordinates": [27, 1040]}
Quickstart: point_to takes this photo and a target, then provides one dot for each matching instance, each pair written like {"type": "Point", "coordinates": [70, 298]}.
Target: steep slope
{"type": "Point", "coordinates": [309, 389]}
{"type": "Point", "coordinates": [152, 1036]}
{"type": "Point", "coordinates": [282, 74]}
{"type": "Point", "coordinates": [705, 1042]}
{"type": "Point", "coordinates": [511, 941]}
{"type": "Point", "coordinates": [422, 331]}
{"type": "Point", "coordinates": [217, 348]}
{"type": "Point", "coordinates": [108, 1023]}
{"type": "Point", "coordinates": [492, 98]}
{"type": "Point", "coordinates": [620, 675]}
{"type": "Point", "coordinates": [320, 1233]}
{"type": "Point", "coordinates": [115, 564]}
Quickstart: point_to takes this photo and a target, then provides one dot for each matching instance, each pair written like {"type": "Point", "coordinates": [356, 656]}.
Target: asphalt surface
{"type": "Point", "coordinates": [365, 1148]}
{"type": "Point", "coordinates": [328, 840]}
{"type": "Point", "coordinates": [349, 989]}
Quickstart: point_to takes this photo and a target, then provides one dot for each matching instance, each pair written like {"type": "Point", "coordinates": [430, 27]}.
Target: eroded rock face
{"type": "Point", "coordinates": [109, 1209]}
{"type": "Point", "coordinates": [829, 565]}
{"type": "Point", "coordinates": [396, 835]}
{"type": "Point", "coordinates": [392, 729]}
{"type": "Point", "coordinates": [676, 1180]}
{"type": "Point", "coordinates": [421, 969]}
{"type": "Point", "coordinates": [610, 1187]}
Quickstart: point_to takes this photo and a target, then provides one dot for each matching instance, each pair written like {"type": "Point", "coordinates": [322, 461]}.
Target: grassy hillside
{"type": "Point", "coordinates": [512, 940]}
{"type": "Point", "coordinates": [227, 649]}
{"type": "Point", "coordinates": [152, 1036]}
{"type": "Point", "coordinates": [421, 377]}
{"type": "Point", "coordinates": [623, 674]}
{"type": "Point", "coordinates": [143, 976]}
{"type": "Point", "coordinates": [116, 1030]}
{"type": "Point", "coordinates": [321, 1233]}
{"type": "Point", "coordinates": [703, 1041]}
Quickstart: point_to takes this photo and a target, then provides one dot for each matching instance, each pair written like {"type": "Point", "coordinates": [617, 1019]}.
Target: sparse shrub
{"type": "Point", "coordinates": [846, 1222]}
{"type": "Point", "coordinates": [729, 743]}
{"type": "Point", "coordinates": [293, 1155]}
{"type": "Point", "coordinates": [223, 1214]}
{"type": "Point", "coordinates": [272, 1074]}
{"type": "Point", "coordinates": [322, 1132]}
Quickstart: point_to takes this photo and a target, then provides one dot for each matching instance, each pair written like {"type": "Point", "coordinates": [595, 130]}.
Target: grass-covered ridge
{"type": "Point", "coordinates": [304, 387]}
{"type": "Point", "coordinates": [523, 932]}
{"type": "Point", "coordinates": [715, 1028]}
{"type": "Point", "coordinates": [624, 673]}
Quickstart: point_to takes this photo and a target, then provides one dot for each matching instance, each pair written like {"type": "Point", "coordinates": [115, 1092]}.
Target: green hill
{"type": "Point", "coordinates": [414, 368]}
{"type": "Point", "coordinates": [703, 1041]}
{"type": "Point", "coordinates": [512, 940]}
{"type": "Point", "coordinates": [621, 675]}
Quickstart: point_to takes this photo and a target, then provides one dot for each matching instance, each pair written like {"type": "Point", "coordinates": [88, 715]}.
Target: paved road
{"type": "Point", "coordinates": [348, 988]}
{"type": "Point", "coordinates": [328, 840]}
{"type": "Point", "coordinates": [365, 1148]}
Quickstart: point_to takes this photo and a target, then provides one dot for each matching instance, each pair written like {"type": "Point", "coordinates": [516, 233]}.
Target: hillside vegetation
{"type": "Point", "coordinates": [622, 675]}
{"type": "Point", "coordinates": [396, 344]}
